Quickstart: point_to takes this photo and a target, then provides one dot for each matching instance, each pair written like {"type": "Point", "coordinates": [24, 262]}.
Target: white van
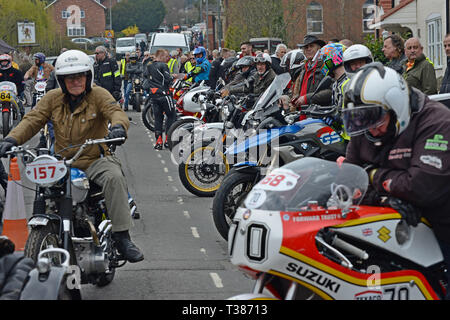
{"type": "Point", "coordinates": [168, 41]}
{"type": "Point", "coordinates": [124, 45]}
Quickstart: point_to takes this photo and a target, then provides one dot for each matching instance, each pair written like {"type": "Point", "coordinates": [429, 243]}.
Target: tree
{"type": "Point", "coordinates": [145, 14]}
{"type": "Point", "coordinates": [253, 19]}
{"type": "Point", "coordinates": [12, 12]}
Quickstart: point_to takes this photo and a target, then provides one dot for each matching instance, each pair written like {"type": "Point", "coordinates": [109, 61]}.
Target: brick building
{"type": "Point", "coordinates": [80, 18]}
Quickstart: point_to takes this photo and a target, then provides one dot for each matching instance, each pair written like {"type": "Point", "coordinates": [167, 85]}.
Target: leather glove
{"type": "Point", "coordinates": [117, 131]}
{"type": "Point", "coordinates": [409, 213]}
{"type": "Point", "coordinates": [6, 145]}
{"type": "Point", "coordinates": [117, 95]}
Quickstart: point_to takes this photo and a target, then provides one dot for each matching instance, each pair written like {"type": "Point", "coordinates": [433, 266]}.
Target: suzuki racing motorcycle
{"type": "Point", "coordinates": [272, 148]}
{"type": "Point", "coordinates": [69, 212]}
{"type": "Point", "coordinates": [301, 234]}
{"type": "Point", "coordinates": [9, 103]}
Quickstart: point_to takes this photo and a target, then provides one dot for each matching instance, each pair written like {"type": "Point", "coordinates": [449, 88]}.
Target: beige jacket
{"type": "Point", "coordinates": [89, 121]}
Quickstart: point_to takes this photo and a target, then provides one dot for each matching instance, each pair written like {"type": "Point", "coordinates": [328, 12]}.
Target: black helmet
{"type": "Point", "coordinates": [246, 61]}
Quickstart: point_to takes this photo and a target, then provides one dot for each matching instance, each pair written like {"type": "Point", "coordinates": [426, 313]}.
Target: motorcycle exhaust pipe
{"type": "Point", "coordinates": [363, 255]}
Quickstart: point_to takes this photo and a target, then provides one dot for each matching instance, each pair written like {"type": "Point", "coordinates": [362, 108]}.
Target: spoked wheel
{"type": "Point", "coordinates": [41, 238]}
{"type": "Point", "coordinates": [233, 190]}
{"type": "Point", "coordinates": [203, 171]}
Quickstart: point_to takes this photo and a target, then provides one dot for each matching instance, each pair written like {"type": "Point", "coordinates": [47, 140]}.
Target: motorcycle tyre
{"type": "Point", "coordinates": [178, 123]}
{"type": "Point", "coordinates": [5, 122]}
{"type": "Point", "coordinates": [189, 185]}
{"type": "Point", "coordinates": [137, 102]}
{"type": "Point", "coordinates": [231, 181]}
{"type": "Point", "coordinates": [147, 117]}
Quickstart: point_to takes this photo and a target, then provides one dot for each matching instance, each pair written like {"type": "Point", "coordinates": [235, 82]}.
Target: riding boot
{"type": "Point", "coordinates": [126, 247]}
{"type": "Point", "coordinates": [159, 142]}
{"type": "Point", "coordinates": [166, 144]}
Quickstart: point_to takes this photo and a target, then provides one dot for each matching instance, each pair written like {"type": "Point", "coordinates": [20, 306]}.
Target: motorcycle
{"type": "Point", "coordinates": [69, 212]}
{"type": "Point", "coordinates": [9, 103]}
{"type": "Point", "coordinates": [301, 233]}
{"type": "Point", "coordinates": [203, 165]}
{"type": "Point", "coordinates": [276, 147]}
{"type": "Point", "coordinates": [137, 92]}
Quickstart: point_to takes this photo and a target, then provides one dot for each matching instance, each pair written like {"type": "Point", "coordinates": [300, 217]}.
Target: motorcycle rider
{"type": "Point", "coordinates": [259, 82]}
{"type": "Point", "coordinates": [404, 136]}
{"type": "Point", "coordinates": [106, 72]}
{"type": "Point", "coordinates": [202, 67]}
{"type": "Point", "coordinates": [159, 80]}
{"type": "Point", "coordinates": [9, 73]}
{"type": "Point", "coordinates": [246, 69]}
{"type": "Point", "coordinates": [81, 111]}
{"type": "Point", "coordinates": [310, 76]}
{"type": "Point", "coordinates": [132, 68]}
{"type": "Point", "coordinates": [355, 57]}
{"type": "Point", "coordinates": [41, 71]}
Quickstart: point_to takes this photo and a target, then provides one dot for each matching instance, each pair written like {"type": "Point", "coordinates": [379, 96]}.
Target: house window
{"type": "Point", "coordinates": [434, 27]}
{"type": "Point", "coordinates": [368, 15]}
{"type": "Point", "coordinates": [76, 32]}
{"type": "Point", "coordinates": [314, 18]}
{"type": "Point", "coordinates": [66, 14]}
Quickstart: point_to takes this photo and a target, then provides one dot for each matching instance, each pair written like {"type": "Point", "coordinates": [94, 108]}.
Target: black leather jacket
{"type": "Point", "coordinates": [13, 274]}
{"type": "Point", "coordinates": [158, 78]}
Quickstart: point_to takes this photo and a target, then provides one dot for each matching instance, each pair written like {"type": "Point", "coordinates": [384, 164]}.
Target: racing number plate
{"type": "Point", "coordinates": [40, 86]}
{"type": "Point", "coordinates": [45, 171]}
{"type": "Point", "coordinates": [5, 96]}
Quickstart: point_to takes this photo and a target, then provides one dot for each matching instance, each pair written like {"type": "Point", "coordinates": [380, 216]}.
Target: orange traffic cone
{"type": "Point", "coordinates": [14, 217]}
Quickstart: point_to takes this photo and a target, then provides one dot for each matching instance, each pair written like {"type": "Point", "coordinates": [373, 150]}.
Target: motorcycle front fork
{"type": "Point", "coordinates": [261, 283]}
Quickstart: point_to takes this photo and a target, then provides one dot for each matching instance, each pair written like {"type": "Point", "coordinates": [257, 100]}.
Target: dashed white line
{"type": "Point", "coordinates": [163, 161]}
{"type": "Point", "coordinates": [166, 170]}
{"type": "Point", "coordinates": [180, 200]}
{"type": "Point", "coordinates": [195, 232]}
{"type": "Point", "coordinates": [216, 279]}
{"type": "Point", "coordinates": [186, 214]}
{"type": "Point", "coordinates": [170, 178]}
{"type": "Point", "coordinates": [175, 189]}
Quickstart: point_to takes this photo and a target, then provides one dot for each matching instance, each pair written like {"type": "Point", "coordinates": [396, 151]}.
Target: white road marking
{"type": "Point", "coordinates": [163, 162]}
{"type": "Point", "coordinates": [180, 200]}
{"type": "Point", "coordinates": [170, 178]}
{"type": "Point", "coordinates": [166, 170]}
{"type": "Point", "coordinates": [158, 155]}
{"type": "Point", "coordinates": [216, 279]}
{"type": "Point", "coordinates": [175, 189]}
{"type": "Point", "coordinates": [195, 232]}
{"type": "Point", "coordinates": [186, 214]}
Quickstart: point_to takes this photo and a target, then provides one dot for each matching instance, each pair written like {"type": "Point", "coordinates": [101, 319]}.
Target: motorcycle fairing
{"type": "Point", "coordinates": [290, 243]}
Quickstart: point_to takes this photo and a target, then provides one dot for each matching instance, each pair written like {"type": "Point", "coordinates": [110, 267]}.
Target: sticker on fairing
{"type": "Point", "coordinates": [431, 161]}
{"type": "Point", "coordinates": [279, 180]}
{"type": "Point", "coordinates": [255, 199]}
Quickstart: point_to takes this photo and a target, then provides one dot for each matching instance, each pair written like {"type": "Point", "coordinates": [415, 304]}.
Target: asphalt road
{"type": "Point", "coordinates": [185, 257]}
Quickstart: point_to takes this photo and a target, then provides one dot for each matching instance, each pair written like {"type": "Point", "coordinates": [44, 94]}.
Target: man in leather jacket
{"type": "Point", "coordinates": [133, 69]}
{"type": "Point", "coordinates": [403, 136]}
{"type": "Point", "coordinates": [107, 73]}
{"type": "Point", "coordinates": [158, 83]}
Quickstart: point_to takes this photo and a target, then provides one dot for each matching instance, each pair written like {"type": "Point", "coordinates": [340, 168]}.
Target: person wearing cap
{"type": "Point", "coordinates": [82, 111]}
{"type": "Point", "coordinates": [310, 76]}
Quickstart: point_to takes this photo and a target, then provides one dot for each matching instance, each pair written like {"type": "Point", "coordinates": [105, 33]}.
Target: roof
{"type": "Point", "coordinates": [403, 4]}
{"type": "Point", "coordinates": [54, 1]}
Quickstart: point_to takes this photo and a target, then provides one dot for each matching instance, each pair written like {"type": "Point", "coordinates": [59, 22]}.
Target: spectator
{"type": "Point", "coordinates": [173, 65]}
{"type": "Point", "coordinates": [419, 72]}
{"type": "Point", "coordinates": [246, 49]}
{"type": "Point", "coordinates": [310, 76]}
{"type": "Point", "coordinates": [445, 86]}
{"type": "Point", "coordinates": [214, 73]}
{"type": "Point", "coordinates": [107, 73]}
{"type": "Point", "coordinates": [394, 50]}
{"type": "Point", "coordinates": [280, 51]}
{"type": "Point", "coordinates": [346, 42]}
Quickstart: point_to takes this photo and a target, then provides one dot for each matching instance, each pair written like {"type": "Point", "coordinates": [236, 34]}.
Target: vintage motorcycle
{"type": "Point", "coordinates": [137, 93]}
{"type": "Point", "coordinates": [9, 102]}
{"type": "Point", "coordinates": [69, 212]}
{"type": "Point", "coordinates": [302, 234]}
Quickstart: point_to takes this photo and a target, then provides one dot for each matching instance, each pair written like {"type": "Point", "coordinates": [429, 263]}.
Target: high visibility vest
{"type": "Point", "coordinates": [171, 64]}
{"type": "Point", "coordinates": [188, 67]}
{"type": "Point", "coordinates": [123, 62]}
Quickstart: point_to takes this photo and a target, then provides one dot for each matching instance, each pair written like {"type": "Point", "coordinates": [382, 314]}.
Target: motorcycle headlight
{"type": "Point", "coordinates": [136, 81]}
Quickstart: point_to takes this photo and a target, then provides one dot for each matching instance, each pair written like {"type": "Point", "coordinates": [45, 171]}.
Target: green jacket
{"type": "Point", "coordinates": [422, 75]}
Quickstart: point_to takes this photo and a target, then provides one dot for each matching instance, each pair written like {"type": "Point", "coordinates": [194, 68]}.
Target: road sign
{"type": "Point", "coordinates": [109, 33]}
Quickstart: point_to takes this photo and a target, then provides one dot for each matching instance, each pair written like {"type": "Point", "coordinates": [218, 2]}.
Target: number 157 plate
{"type": "Point", "coordinates": [45, 171]}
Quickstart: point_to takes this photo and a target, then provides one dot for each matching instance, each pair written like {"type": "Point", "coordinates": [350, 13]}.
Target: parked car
{"type": "Point", "coordinates": [124, 45]}
{"type": "Point", "coordinates": [101, 41]}
{"type": "Point", "coordinates": [51, 60]}
{"type": "Point", "coordinates": [82, 41]}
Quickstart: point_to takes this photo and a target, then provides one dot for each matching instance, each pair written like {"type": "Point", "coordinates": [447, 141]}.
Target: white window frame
{"type": "Point", "coordinates": [434, 40]}
{"type": "Point", "coordinates": [369, 18]}
{"type": "Point", "coordinates": [76, 31]}
{"type": "Point", "coordinates": [309, 23]}
{"type": "Point", "coordinates": [66, 15]}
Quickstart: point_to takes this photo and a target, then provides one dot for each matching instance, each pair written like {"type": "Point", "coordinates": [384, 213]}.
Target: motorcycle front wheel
{"type": "Point", "coordinates": [179, 129]}
{"type": "Point", "coordinates": [137, 101]}
{"type": "Point", "coordinates": [5, 122]}
{"type": "Point", "coordinates": [41, 238]}
{"type": "Point", "coordinates": [232, 191]}
{"type": "Point", "coordinates": [148, 117]}
{"type": "Point", "coordinates": [201, 174]}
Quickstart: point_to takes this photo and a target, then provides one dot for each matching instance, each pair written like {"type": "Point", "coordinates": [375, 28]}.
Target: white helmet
{"type": "Point", "coordinates": [354, 52]}
{"type": "Point", "coordinates": [293, 59]}
{"type": "Point", "coordinates": [73, 62]}
{"type": "Point", "coordinates": [372, 92]}
{"type": "Point", "coordinates": [263, 57]}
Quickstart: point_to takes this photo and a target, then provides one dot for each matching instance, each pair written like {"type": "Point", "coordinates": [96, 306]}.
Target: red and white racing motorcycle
{"type": "Point", "coordinates": [301, 234]}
